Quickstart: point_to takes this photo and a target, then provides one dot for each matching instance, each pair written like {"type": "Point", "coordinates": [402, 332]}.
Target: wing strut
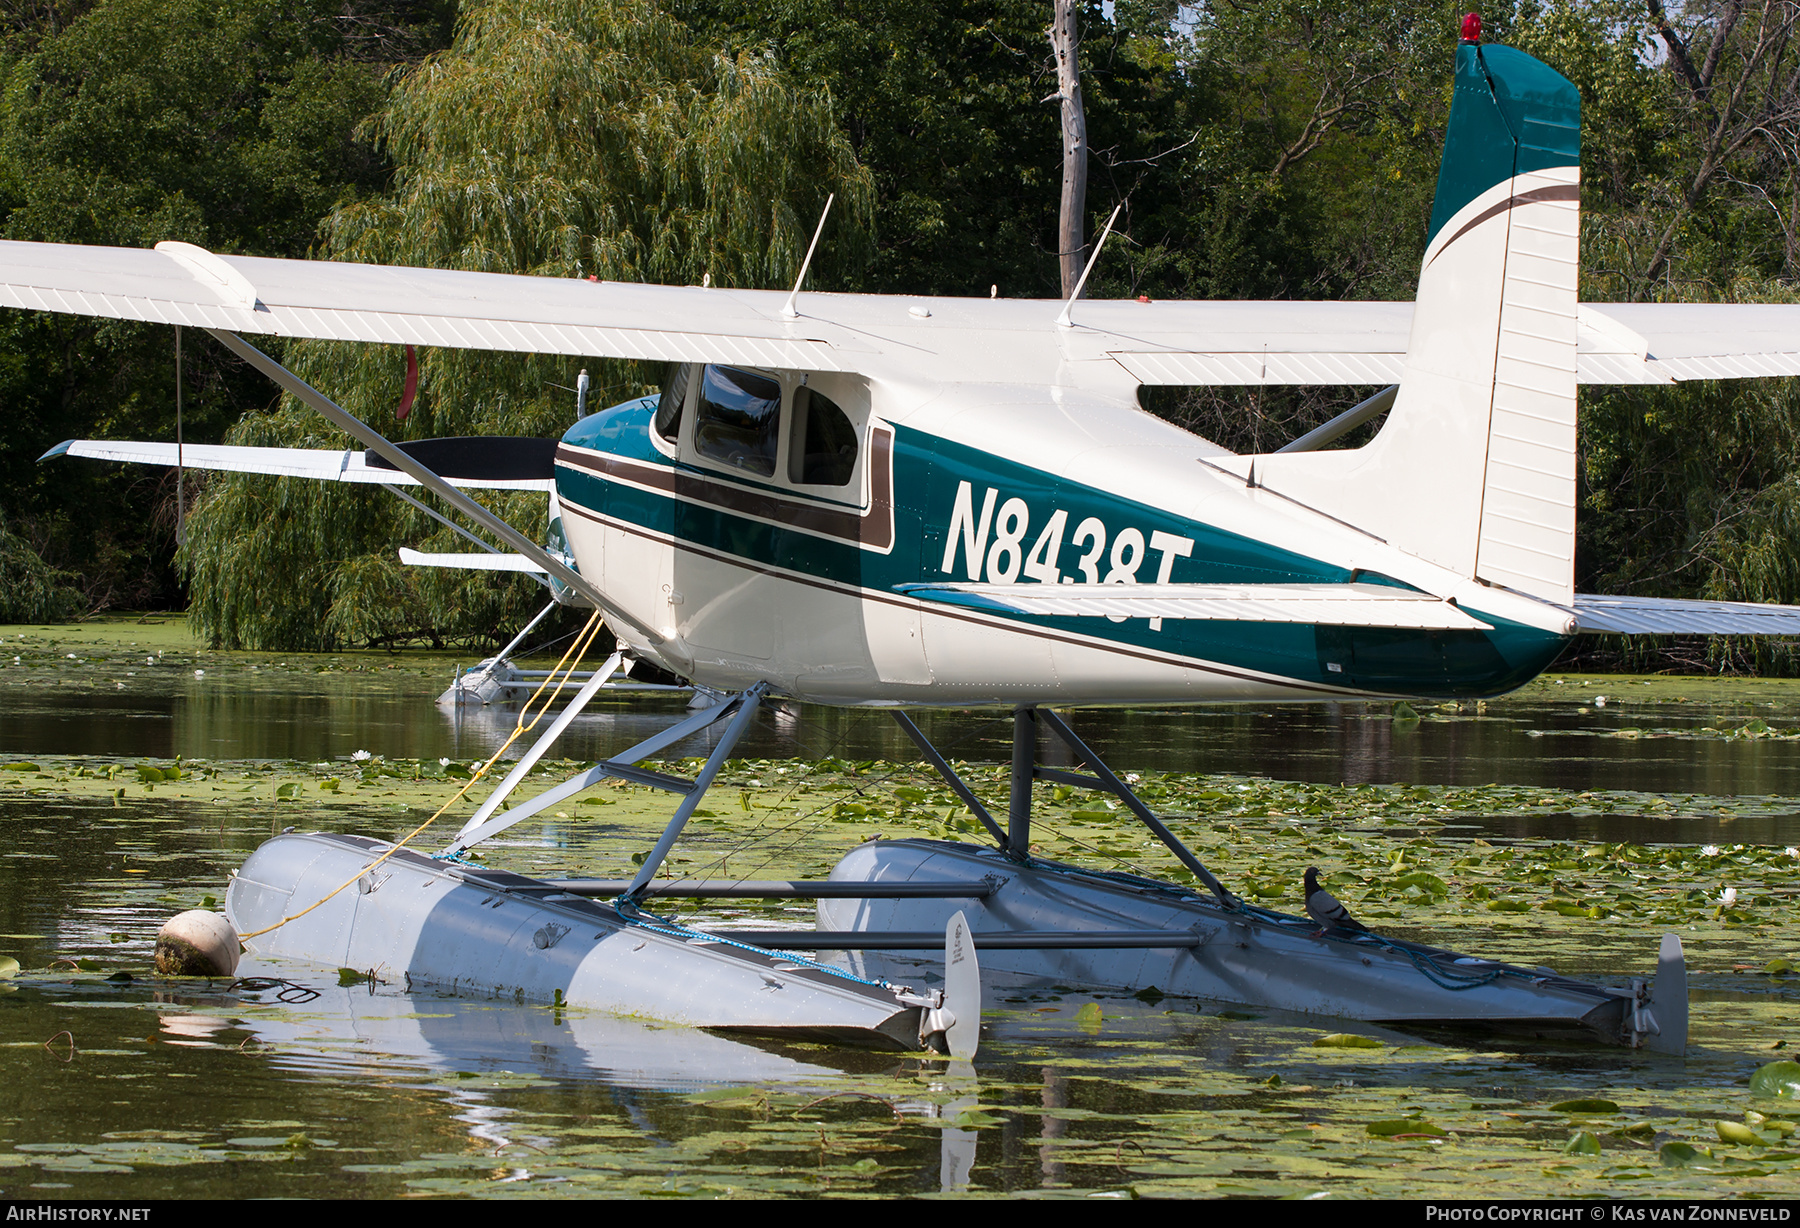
{"type": "Point", "coordinates": [382, 447]}
{"type": "Point", "coordinates": [1344, 423]}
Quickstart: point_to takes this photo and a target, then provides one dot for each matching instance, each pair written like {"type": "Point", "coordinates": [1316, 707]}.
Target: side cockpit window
{"type": "Point", "coordinates": [823, 452]}
{"type": "Point", "coordinates": [737, 420]}
{"type": "Point", "coordinates": [674, 396]}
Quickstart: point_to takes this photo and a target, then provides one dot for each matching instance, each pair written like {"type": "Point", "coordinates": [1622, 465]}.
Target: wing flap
{"type": "Point", "coordinates": [1598, 615]}
{"type": "Point", "coordinates": [1344, 605]}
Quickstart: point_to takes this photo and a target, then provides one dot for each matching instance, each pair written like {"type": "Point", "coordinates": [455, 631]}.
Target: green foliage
{"type": "Point", "coordinates": [556, 138]}
{"type": "Point", "coordinates": [134, 121]}
{"type": "Point", "coordinates": [564, 139]}
{"type": "Point", "coordinates": [31, 590]}
{"type": "Point", "coordinates": [943, 103]}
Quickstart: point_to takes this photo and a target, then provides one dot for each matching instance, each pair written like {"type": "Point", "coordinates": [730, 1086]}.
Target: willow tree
{"type": "Point", "coordinates": [561, 138]}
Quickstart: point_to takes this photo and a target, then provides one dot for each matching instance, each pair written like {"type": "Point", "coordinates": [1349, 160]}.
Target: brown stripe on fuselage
{"type": "Point", "coordinates": [1559, 191]}
{"type": "Point", "coordinates": [872, 529]}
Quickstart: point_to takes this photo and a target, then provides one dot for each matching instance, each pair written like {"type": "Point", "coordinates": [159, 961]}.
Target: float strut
{"type": "Point", "coordinates": [1103, 776]}
{"type": "Point", "coordinates": [1024, 771]}
{"type": "Point", "coordinates": [746, 705]}
{"type": "Point", "coordinates": [955, 782]}
{"type": "Point", "coordinates": [523, 768]}
{"type": "Point", "coordinates": [622, 766]}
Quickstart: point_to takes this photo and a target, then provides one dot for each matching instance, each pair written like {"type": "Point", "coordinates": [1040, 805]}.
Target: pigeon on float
{"type": "Point", "coordinates": [1326, 908]}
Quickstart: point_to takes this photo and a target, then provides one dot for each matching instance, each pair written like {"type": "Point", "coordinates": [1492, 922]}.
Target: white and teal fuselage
{"type": "Point", "coordinates": [749, 581]}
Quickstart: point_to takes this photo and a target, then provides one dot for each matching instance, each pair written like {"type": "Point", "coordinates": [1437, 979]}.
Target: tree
{"type": "Point", "coordinates": [134, 121]}
{"type": "Point", "coordinates": [1065, 46]}
{"type": "Point", "coordinates": [1734, 66]}
{"type": "Point", "coordinates": [561, 138]}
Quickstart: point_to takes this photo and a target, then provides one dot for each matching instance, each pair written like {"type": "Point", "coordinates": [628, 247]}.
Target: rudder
{"type": "Point", "coordinates": [1474, 469]}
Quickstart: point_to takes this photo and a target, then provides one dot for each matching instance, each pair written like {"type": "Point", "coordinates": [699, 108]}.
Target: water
{"type": "Point", "coordinates": [111, 700]}
{"type": "Point", "coordinates": [144, 1087]}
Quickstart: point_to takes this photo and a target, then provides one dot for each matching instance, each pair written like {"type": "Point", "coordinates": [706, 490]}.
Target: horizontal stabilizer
{"type": "Point", "coordinates": [472, 561]}
{"type": "Point", "coordinates": [1661, 616]}
{"type": "Point", "coordinates": [1336, 605]}
{"type": "Point", "coordinates": [320, 464]}
{"type": "Point", "coordinates": [1337, 344]}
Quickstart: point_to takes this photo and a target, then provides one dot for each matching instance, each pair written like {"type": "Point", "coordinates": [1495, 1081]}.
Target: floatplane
{"type": "Point", "coordinates": [914, 501]}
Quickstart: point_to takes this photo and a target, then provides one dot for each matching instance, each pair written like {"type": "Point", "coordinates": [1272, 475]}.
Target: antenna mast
{"type": "Point", "coordinates": [787, 309]}
{"type": "Point", "coordinates": [1063, 320]}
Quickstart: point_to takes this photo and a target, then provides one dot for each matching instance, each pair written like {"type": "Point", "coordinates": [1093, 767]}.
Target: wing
{"type": "Point", "coordinates": [322, 464]}
{"type": "Point", "coordinates": [177, 283]}
{"type": "Point", "coordinates": [1659, 616]}
{"type": "Point", "coordinates": [1346, 605]}
{"type": "Point", "coordinates": [997, 340]}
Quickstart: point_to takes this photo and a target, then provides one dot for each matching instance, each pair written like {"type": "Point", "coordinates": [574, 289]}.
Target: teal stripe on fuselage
{"type": "Point", "coordinates": [928, 472]}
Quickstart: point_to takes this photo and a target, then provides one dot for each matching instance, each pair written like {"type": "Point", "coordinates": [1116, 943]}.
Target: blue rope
{"type": "Point", "coordinates": [1427, 966]}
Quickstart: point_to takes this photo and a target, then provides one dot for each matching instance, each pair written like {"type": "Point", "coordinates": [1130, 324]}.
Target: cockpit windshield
{"type": "Point", "coordinates": [738, 419]}
{"type": "Point", "coordinates": [674, 396]}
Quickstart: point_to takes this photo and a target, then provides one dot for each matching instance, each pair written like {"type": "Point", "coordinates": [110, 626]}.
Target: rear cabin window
{"type": "Point", "coordinates": [737, 421]}
{"type": "Point", "coordinates": [674, 396]}
{"type": "Point", "coordinates": [824, 448]}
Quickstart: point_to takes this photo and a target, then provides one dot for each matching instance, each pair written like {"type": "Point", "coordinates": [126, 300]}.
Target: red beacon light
{"type": "Point", "coordinates": [1471, 28]}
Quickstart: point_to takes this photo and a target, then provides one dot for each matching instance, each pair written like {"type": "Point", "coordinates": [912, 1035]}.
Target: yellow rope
{"type": "Point", "coordinates": [578, 650]}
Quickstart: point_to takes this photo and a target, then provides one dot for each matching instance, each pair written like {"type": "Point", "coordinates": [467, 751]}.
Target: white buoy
{"type": "Point", "coordinates": [197, 943]}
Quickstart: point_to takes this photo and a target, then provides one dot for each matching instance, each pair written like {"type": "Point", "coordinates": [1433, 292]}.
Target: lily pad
{"type": "Point", "coordinates": [1584, 1105]}
{"type": "Point", "coordinates": [1780, 1079]}
{"type": "Point", "coordinates": [1583, 1143]}
{"type": "Point", "coordinates": [975, 1119]}
{"type": "Point", "coordinates": [1347, 1040]}
{"type": "Point", "coordinates": [1682, 1155]}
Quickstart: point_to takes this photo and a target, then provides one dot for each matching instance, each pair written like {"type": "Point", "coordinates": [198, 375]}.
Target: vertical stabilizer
{"type": "Point", "coordinates": [1474, 469]}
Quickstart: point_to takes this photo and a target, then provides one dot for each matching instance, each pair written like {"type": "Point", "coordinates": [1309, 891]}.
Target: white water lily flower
{"type": "Point", "coordinates": [361, 756]}
{"type": "Point", "coordinates": [1131, 778]}
{"type": "Point", "coordinates": [199, 673]}
{"type": "Point", "coordinates": [1711, 850]}
{"type": "Point", "coordinates": [1728, 897]}
{"type": "Point", "coordinates": [1599, 701]}
{"type": "Point", "coordinates": [445, 762]}
{"type": "Point", "coordinates": [1792, 851]}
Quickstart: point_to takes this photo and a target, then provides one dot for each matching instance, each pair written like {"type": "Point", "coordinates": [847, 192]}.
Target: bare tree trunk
{"type": "Point", "coordinates": [1745, 90]}
{"type": "Point", "coordinates": [1065, 43]}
